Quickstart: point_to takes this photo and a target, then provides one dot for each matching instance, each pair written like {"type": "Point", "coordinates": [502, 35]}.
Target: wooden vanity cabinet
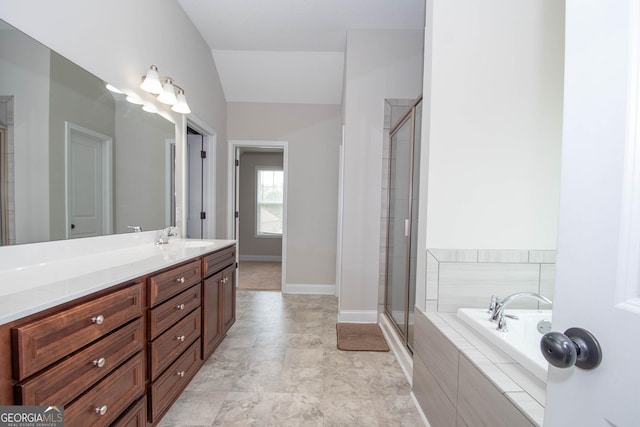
{"type": "Point", "coordinates": [218, 297]}
{"type": "Point", "coordinates": [228, 297]}
{"type": "Point", "coordinates": [212, 333]}
{"type": "Point", "coordinates": [87, 356]}
{"type": "Point", "coordinates": [123, 355]}
{"type": "Point", "coordinates": [174, 321]}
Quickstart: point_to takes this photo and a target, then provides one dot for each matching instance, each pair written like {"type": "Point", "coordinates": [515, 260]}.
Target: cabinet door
{"type": "Point", "coordinates": [228, 297]}
{"type": "Point", "coordinates": [211, 314]}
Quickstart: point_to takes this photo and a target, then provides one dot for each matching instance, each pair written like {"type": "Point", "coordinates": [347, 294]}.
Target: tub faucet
{"type": "Point", "coordinates": [497, 310]}
{"type": "Point", "coordinates": [164, 236]}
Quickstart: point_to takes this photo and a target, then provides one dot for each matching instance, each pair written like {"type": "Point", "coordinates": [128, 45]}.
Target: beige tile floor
{"type": "Point", "coordinates": [279, 366]}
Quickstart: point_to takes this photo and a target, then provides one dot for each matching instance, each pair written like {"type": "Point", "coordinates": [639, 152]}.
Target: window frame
{"type": "Point", "coordinates": [257, 204]}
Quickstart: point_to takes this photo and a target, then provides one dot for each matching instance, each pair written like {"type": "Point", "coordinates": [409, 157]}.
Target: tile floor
{"type": "Point", "coordinates": [279, 366]}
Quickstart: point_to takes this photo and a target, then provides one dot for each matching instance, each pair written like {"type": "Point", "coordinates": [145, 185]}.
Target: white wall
{"type": "Point", "coordinates": [378, 65]}
{"type": "Point", "coordinates": [313, 136]}
{"type": "Point", "coordinates": [494, 125]}
{"type": "Point", "coordinates": [24, 66]}
{"type": "Point", "coordinates": [117, 40]}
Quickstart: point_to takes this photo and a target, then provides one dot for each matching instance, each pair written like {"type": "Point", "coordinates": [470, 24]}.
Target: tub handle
{"type": "Point", "coordinates": [576, 346]}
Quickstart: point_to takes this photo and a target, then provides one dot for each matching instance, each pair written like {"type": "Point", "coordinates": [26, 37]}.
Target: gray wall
{"type": "Point", "coordinates": [252, 248]}
{"type": "Point", "coordinates": [313, 135]}
{"type": "Point", "coordinates": [379, 65]}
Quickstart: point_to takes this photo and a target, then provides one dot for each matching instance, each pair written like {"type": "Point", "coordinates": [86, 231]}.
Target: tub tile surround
{"type": "Point", "coordinates": [478, 375]}
{"type": "Point", "coordinates": [476, 372]}
{"type": "Point", "coordinates": [458, 278]}
{"type": "Point", "coordinates": [37, 276]}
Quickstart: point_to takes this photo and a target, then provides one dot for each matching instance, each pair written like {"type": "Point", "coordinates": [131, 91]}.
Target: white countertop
{"type": "Point", "coordinates": [35, 277]}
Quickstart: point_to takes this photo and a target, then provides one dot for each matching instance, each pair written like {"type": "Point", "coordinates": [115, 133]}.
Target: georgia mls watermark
{"type": "Point", "coordinates": [31, 416]}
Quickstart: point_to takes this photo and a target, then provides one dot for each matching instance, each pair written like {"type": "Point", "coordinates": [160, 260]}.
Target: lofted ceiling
{"type": "Point", "coordinates": [290, 51]}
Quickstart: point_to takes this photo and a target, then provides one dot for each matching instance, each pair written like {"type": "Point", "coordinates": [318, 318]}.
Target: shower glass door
{"type": "Point", "coordinates": [402, 239]}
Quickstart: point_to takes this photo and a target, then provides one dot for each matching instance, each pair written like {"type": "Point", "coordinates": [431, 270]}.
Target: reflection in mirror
{"type": "Point", "coordinates": [76, 159]}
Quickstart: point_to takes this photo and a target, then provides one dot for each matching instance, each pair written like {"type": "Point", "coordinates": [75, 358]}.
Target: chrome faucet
{"type": "Point", "coordinates": [497, 307]}
{"type": "Point", "coordinates": [164, 236]}
{"type": "Point", "coordinates": [135, 228]}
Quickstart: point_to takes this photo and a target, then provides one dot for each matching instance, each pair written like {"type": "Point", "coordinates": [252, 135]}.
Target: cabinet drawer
{"type": "Point", "coordinates": [112, 395]}
{"type": "Point", "coordinates": [165, 285]}
{"type": "Point", "coordinates": [40, 343]}
{"type": "Point", "coordinates": [169, 312]}
{"type": "Point", "coordinates": [136, 416]}
{"type": "Point", "coordinates": [164, 349]}
{"type": "Point", "coordinates": [68, 379]}
{"type": "Point", "coordinates": [219, 260]}
{"type": "Point", "coordinates": [164, 391]}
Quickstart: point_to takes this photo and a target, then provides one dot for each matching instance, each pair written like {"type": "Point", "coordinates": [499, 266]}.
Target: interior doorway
{"type": "Point", "coordinates": [258, 212]}
{"type": "Point", "coordinates": [201, 218]}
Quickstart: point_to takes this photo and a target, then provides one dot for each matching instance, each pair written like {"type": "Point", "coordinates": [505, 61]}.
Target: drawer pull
{"type": "Point", "coordinates": [180, 280]}
{"type": "Point", "coordinates": [99, 363]}
{"type": "Point", "coordinates": [98, 320]}
{"type": "Point", "coordinates": [180, 374]}
{"type": "Point", "coordinates": [180, 307]}
{"type": "Point", "coordinates": [180, 338]}
{"type": "Point", "coordinates": [101, 410]}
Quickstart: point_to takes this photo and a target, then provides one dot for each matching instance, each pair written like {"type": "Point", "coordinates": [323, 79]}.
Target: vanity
{"type": "Point", "coordinates": [112, 328]}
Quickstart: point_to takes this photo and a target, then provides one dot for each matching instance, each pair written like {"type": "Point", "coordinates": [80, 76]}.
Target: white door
{"type": "Point", "coordinates": [88, 182]}
{"type": "Point", "coordinates": [598, 264]}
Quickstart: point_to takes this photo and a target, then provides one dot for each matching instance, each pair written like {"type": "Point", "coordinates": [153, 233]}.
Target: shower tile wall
{"type": "Point", "coordinates": [468, 278]}
{"type": "Point", "coordinates": [394, 110]}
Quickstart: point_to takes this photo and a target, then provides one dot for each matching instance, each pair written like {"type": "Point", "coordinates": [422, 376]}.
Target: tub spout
{"type": "Point", "coordinates": [497, 314]}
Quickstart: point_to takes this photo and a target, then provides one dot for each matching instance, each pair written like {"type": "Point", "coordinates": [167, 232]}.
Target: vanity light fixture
{"type": "Point", "coordinates": [168, 95]}
{"type": "Point", "coordinates": [165, 88]}
{"type": "Point", "coordinates": [151, 82]}
{"type": "Point", "coordinates": [181, 105]}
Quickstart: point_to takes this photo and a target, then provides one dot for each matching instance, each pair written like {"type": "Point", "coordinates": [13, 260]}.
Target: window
{"type": "Point", "coordinates": [269, 208]}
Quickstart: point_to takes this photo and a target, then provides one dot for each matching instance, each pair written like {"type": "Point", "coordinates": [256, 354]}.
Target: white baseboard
{"type": "Point", "coordinates": [309, 289]}
{"type": "Point", "coordinates": [263, 258]}
{"type": "Point", "coordinates": [398, 348]}
{"type": "Point", "coordinates": [358, 316]}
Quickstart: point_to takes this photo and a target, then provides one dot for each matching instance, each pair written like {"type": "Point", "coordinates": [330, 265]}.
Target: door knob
{"type": "Point", "coordinates": [576, 346]}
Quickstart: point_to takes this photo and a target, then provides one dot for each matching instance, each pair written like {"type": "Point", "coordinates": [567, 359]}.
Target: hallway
{"type": "Point", "coordinates": [279, 366]}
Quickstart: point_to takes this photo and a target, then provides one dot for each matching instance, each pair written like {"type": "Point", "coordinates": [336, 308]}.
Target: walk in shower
{"type": "Point", "coordinates": [403, 191]}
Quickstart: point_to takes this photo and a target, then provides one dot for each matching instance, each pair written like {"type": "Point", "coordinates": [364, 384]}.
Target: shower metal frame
{"type": "Point", "coordinates": [410, 115]}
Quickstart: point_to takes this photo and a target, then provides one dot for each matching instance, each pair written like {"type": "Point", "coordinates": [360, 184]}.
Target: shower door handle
{"type": "Point", "coordinates": [406, 227]}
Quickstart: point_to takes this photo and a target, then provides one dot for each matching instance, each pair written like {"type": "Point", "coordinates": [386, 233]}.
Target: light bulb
{"type": "Point", "coordinates": [168, 95]}
{"type": "Point", "coordinates": [149, 108]}
{"type": "Point", "coordinates": [134, 99]}
{"type": "Point", "coordinates": [151, 82]}
{"type": "Point", "coordinates": [181, 105]}
{"type": "Point", "coordinates": [113, 89]}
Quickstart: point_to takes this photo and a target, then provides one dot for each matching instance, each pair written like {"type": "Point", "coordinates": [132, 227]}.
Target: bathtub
{"type": "Point", "coordinates": [521, 342]}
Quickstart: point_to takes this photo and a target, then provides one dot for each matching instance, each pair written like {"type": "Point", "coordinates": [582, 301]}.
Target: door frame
{"type": "Point", "coordinates": [106, 143]}
{"type": "Point", "coordinates": [232, 185]}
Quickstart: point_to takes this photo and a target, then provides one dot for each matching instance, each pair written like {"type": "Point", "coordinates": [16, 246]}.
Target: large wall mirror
{"type": "Point", "coordinates": [76, 160]}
